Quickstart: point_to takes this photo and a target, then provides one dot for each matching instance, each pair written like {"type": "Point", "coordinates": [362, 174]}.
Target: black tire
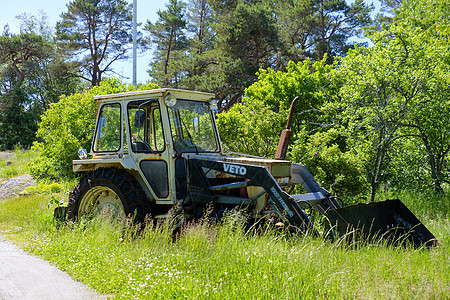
{"type": "Point", "coordinates": [108, 191]}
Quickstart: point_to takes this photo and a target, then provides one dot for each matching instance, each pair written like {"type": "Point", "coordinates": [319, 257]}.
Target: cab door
{"type": "Point", "coordinates": [148, 147]}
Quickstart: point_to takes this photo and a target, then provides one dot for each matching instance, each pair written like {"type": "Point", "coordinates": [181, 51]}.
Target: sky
{"type": "Point", "coordinates": [146, 10]}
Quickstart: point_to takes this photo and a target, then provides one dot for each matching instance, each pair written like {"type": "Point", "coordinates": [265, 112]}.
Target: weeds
{"type": "Point", "coordinates": [224, 261]}
{"type": "Point", "coordinates": [16, 164]}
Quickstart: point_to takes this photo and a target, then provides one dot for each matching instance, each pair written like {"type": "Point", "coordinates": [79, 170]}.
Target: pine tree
{"type": "Point", "coordinates": [97, 33]}
{"type": "Point", "coordinates": [168, 36]}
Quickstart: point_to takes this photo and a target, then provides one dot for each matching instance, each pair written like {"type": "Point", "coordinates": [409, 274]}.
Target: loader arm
{"type": "Point", "coordinates": [282, 203]}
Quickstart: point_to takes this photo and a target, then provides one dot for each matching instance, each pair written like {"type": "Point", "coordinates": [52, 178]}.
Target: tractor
{"type": "Point", "coordinates": [159, 151]}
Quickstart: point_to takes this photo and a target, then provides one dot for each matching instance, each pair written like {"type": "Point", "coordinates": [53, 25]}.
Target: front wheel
{"type": "Point", "coordinates": [108, 192]}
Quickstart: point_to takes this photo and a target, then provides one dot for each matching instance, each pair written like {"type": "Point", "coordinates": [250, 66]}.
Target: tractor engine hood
{"type": "Point", "coordinates": [280, 169]}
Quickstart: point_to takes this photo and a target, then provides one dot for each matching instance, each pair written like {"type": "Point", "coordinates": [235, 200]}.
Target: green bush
{"type": "Point", "coordinates": [252, 128]}
{"type": "Point", "coordinates": [325, 156]}
{"type": "Point", "coordinates": [67, 126]}
{"type": "Point", "coordinates": [42, 189]}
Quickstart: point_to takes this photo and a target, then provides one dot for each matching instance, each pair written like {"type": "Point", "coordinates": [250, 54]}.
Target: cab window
{"type": "Point", "coordinates": [107, 136]}
{"type": "Point", "coordinates": [146, 126]}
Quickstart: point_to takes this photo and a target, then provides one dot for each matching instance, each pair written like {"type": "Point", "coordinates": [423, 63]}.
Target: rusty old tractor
{"type": "Point", "coordinates": [159, 150]}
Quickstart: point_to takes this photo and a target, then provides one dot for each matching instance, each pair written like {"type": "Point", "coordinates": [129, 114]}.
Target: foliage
{"type": "Point", "coordinates": [391, 100]}
{"type": "Point", "coordinates": [17, 125]}
{"type": "Point", "coordinates": [398, 89]}
{"type": "Point", "coordinates": [168, 35]}
{"type": "Point", "coordinates": [220, 45]}
{"type": "Point", "coordinates": [314, 28]}
{"type": "Point", "coordinates": [430, 115]}
{"type": "Point", "coordinates": [20, 54]}
{"type": "Point", "coordinates": [335, 168]}
{"type": "Point", "coordinates": [251, 128]}
{"type": "Point", "coordinates": [375, 100]}
{"type": "Point", "coordinates": [96, 33]}
{"type": "Point", "coordinates": [67, 126]}
{"type": "Point", "coordinates": [30, 79]}
{"type": "Point", "coordinates": [51, 77]}
{"type": "Point", "coordinates": [42, 188]}
{"type": "Point", "coordinates": [314, 84]}
{"type": "Point", "coordinates": [254, 126]}
{"type": "Point", "coordinates": [246, 35]}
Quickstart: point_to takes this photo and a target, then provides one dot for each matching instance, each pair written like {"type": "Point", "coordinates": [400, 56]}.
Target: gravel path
{"type": "Point", "coordinates": [5, 155]}
{"type": "Point", "coordinates": [23, 276]}
{"type": "Point", "coordinates": [13, 186]}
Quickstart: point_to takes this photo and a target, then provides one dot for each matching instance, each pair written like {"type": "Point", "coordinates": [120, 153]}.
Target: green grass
{"type": "Point", "coordinates": [424, 204]}
{"type": "Point", "coordinates": [16, 164]}
{"type": "Point", "coordinates": [220, 262]}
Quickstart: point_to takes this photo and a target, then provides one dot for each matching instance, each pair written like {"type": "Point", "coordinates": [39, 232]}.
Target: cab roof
{"type": "Point", "coordinates": [137, 95]}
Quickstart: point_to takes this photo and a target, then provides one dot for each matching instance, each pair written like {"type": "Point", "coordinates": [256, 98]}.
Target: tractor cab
{"type": "Point", "coordinates": [154, 122]}
{"type": "Point", "coordinates": [147, 132]}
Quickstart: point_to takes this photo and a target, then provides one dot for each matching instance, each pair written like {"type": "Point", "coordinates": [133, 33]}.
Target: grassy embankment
{"type": "Point", "coordinates": [11, 166]}
{"type": "Point", "coordinates": [219, 262]}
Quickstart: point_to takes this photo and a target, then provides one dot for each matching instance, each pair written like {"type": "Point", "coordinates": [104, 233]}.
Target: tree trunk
{"type": "Point", "coordinates": [166, 62]}
{"type": "Point", "coordinates": [435, 172]}
{"type": "Point", "coordinates": [378, 161]}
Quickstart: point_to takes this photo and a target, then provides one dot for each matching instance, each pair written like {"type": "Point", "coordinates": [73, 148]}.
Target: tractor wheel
{"type": "Point", "coordinates": [108, 192]}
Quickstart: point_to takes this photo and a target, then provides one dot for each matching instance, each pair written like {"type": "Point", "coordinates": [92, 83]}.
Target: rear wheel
{"type": "Point", "coordinates": [108, 192]}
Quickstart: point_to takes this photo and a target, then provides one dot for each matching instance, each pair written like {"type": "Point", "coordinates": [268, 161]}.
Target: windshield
{"type": "Point", "coordinates": [192, 127]}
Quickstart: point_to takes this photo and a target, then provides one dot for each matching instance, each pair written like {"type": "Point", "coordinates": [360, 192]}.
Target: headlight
{"type": "Point", "coordinates": [170, 100]}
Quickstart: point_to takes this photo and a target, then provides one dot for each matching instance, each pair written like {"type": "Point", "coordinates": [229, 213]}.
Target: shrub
{"type": "Point", "coordinates": [67, 126]}
{"type": "Point", "coordinates": [251, 128]}
{"type": "Point", "coordinates": [336, 169]}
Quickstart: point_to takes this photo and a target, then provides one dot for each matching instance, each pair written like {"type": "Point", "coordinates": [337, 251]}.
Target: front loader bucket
{"type": "Point", "coordinates": [389, 220]}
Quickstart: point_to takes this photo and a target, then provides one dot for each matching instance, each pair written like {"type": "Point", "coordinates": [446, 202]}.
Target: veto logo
{"type": "Point", "coordinates": [233, 169]}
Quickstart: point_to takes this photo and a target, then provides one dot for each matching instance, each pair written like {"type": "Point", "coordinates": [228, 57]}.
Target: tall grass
{"type": "Point", "coordinates": [425, 205]}
{"type": "Point", "coordinates": [16, 164]}
{"type": "Point", "coordinates": [208, 261]}
{"type": "Point", "coordinates": [221, 262]}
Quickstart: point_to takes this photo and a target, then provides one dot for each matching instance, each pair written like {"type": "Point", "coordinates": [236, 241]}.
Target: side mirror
{"type": "Point", "coordinates": [139, 119]}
